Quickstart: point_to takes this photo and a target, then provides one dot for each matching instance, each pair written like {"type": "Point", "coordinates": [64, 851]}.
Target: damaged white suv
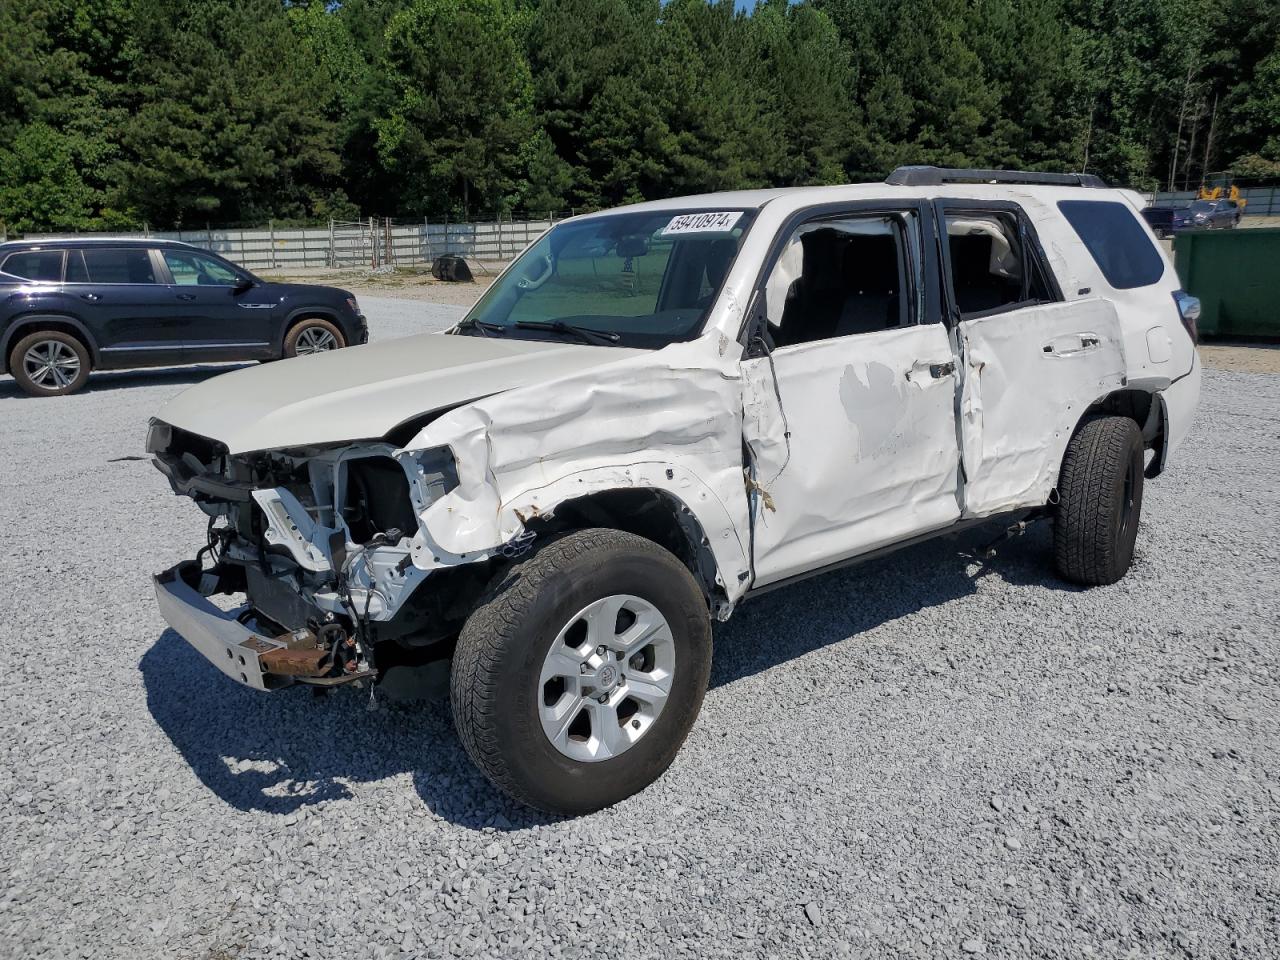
{"type": "Point", "coordinates": [657, 411]}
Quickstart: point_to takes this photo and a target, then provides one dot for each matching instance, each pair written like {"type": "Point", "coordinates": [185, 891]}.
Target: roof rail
{"type": "Point", "coordinates": [933, 176]}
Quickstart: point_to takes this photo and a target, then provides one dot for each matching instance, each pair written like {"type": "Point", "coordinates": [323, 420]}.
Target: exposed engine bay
{"type": "Point", "coordinates": [319, 540]}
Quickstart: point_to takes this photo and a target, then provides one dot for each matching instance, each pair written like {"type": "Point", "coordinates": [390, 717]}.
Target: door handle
{"type": "Point", "coordinates": [1072, 344]}
{"type": "Point", "coordinates": [91, 297]}
{"type": "Point", "coordinates": [940, 370]}
{"type": "Point", "coordinates": [186, 296]}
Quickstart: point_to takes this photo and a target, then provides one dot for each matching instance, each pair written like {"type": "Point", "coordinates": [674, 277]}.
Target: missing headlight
{"type": "Point", "coordinates": [376, 499]}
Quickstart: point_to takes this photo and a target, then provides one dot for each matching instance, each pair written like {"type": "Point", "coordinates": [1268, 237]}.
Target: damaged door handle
{"type": "Point", "coordinates": [940, 370]}
{"type": "Point", "coordinates": [1072, 344]}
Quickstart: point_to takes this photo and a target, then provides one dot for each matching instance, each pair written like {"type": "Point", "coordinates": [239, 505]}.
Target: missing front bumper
{"type": "Point", "coordinates": [243, 654]}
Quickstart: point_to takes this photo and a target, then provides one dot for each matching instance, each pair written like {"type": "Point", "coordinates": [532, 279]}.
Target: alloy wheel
{"type": "Point", "coordinates": [315, 340]}
{"type": "Point", "coordinates": [606, 678]}
{"type": "Point", "coordinates": [51, 364]}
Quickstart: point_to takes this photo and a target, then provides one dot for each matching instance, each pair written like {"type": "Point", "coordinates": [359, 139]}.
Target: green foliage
{"type": "Point", "coordinates": [459, 108]}
{"type": "Point", "coordinates": [226, 118]}
{"type": "Point", "coordinates": [117, 111]}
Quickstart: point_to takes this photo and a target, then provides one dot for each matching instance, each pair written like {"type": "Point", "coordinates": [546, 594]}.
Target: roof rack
{"type": "Point", "coordinates": [923, 176]}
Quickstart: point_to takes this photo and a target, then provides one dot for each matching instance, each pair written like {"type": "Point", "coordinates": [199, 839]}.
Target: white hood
{"type": "Point", "coordinates": [361, 393]}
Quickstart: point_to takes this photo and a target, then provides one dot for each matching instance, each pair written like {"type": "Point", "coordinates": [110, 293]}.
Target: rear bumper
{"type": "Point", "coordinates": [225, 642]}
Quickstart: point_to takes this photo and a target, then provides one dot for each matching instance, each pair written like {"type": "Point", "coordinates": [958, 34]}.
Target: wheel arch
{"type": "Point", "coordinates": [657, 515]}
{"type": "Point", "coordinates": [1144, 407]}
{"type": "Point", "coordinates": [22, 325]}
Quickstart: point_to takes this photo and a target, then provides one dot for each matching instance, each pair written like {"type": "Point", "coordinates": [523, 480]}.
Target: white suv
{"type": "Point", "coordinates": [658, 411]}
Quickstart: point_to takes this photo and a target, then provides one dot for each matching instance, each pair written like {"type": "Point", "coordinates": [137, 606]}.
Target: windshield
{"type": "Point", "coordinates": [1202, 206]}
{"type": "Point", "coordinates": [640, 279]}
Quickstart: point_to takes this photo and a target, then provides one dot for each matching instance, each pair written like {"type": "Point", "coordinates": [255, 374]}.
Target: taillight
{"type": "Point", "coordinates": [1189, 311]}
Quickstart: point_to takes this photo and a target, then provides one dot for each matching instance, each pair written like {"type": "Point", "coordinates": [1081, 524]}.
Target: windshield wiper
{"type": "Point", "coordinates": [559, 326]}
{"type": "Point", "coordinates": [486, 329]}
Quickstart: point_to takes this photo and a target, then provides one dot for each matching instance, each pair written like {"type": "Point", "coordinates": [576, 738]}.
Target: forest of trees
{"type": "Point", "coordinates": [187, 112]}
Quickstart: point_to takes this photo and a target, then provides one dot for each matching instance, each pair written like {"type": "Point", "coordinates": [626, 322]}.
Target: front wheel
{"type": "Point", "coordinates": [577, 679]}
{"type": "Point", "coordinates": [1100, 501]}
{"type": "Point", "coordinates": [313, 336]}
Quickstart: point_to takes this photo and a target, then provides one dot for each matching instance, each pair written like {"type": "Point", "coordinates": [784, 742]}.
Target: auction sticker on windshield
{"type": "Point", "coordinates": [709, 222]}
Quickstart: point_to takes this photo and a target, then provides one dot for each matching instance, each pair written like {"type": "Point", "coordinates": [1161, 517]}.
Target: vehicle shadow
{"type": "Point", "coordinates": [281, 752]}
{"type": "Point", "coordinates": [140, 377]}
{"type": "Point", "coordinates": [845, 603]}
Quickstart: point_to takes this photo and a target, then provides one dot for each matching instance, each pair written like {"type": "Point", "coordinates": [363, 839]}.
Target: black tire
{"type": "Point", "coordinates": [1100, 501]}
{"type": "Point", "coordinates": [41, 381]}
{"type": "Point", "coordinates": [495, 689]}
{"type": "Point", "coordinates": [312, 327]}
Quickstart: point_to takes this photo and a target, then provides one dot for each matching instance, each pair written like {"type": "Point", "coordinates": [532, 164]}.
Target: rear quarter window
{"type": "Point", "coordinates": [1116, 241]}
{"type": "Point", "coordinates": [44, 265]}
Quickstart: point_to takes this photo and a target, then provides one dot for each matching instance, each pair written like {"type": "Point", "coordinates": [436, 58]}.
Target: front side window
{"type": "Point", "coordinates": [115, 265]}
{"type": "Point", "coordinates": [1116, 241]}
{"type": "Point", "coordinates": [845, 276]}
{"type": "Point", "coordinates": [195, 269]}
{"type": "Point", "coordinates": [991, 268]}
{"type": "Point", "coordinates": [41, 265]}
{"type": "Point", "coordinates": [635, 279]}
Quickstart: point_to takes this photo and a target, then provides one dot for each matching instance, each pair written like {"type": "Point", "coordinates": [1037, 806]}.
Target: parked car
{"type": "Point", "coordinates": [1159, 219]}
{"type": "Point", "coordinates": [1208, 215]}
{"type": "Point", "coordinates": [71, 306]}
{"type": "Point", "coordinates": [659, 411]}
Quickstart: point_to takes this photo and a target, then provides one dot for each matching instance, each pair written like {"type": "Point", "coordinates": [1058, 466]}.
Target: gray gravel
{"type": "Point", "coordinates": [926, 756]}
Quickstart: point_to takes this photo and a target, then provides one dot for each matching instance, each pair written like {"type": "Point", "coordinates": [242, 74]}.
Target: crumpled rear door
{"type": "Point", "coordinates": [1029, 374]}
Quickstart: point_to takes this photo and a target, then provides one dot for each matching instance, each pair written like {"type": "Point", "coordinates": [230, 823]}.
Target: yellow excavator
{"type": "Point", "coordinates": [1215, 193]}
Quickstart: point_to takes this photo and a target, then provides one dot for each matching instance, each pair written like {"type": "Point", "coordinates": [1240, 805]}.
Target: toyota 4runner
{"type": "Point", "coordinates": [656, 412]}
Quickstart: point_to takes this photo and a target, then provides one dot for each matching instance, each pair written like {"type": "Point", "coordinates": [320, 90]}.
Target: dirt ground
{"type": "Point", "coordinates": [1241, 358]}
{"type": "Point", "coordinates": [420, 285]}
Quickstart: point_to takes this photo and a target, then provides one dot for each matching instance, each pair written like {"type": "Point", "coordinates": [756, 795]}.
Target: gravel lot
{"type": "Point", "coordinates": [926, 756]}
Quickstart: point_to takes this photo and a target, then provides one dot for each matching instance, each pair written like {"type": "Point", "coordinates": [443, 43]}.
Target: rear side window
{"type": "Point", "coordinates": [118, 265]}
{"type": "Point", "coordinates": [993, 267]}
{"type": "Point", "coordinates": [1116, 241]}
{"type": "Point", "coordinates": [43, 265]}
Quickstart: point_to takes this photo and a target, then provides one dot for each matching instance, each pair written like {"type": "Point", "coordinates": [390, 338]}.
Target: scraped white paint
{"type": "Point", "coordinates": [1029, 376]}
{"type": "Point", "coordinates": [667, 420]}
{"type": "Point", "coordinates": [872, 454]}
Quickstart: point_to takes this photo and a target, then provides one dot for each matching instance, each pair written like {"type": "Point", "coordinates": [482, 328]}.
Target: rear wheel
{"type": "Point", "coordinates": [313, 336]}
{"type": "Point", "coordinates": [576, 681]}
{"type": "Point", "coordinates": [1100, 501]}
{"type": "Point", "coordinates": [50, 363]}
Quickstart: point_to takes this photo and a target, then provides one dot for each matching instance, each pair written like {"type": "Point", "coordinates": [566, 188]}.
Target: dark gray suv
{"type": "Point", "coordinates": [71, 306]}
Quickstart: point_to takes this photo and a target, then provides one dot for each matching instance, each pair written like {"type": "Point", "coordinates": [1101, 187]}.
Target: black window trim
{"type": "Point", "coordinates": [1029, 241]}
{"type": "Point", "coordinates": [755, 322]}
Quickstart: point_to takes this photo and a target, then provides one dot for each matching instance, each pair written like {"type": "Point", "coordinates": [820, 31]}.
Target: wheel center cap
{"type": "Point", "coordinates": [606, 676]}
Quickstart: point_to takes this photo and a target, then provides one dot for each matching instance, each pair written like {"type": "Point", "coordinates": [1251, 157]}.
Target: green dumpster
{"type": "Point", "coordinates": [1236, 275]}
